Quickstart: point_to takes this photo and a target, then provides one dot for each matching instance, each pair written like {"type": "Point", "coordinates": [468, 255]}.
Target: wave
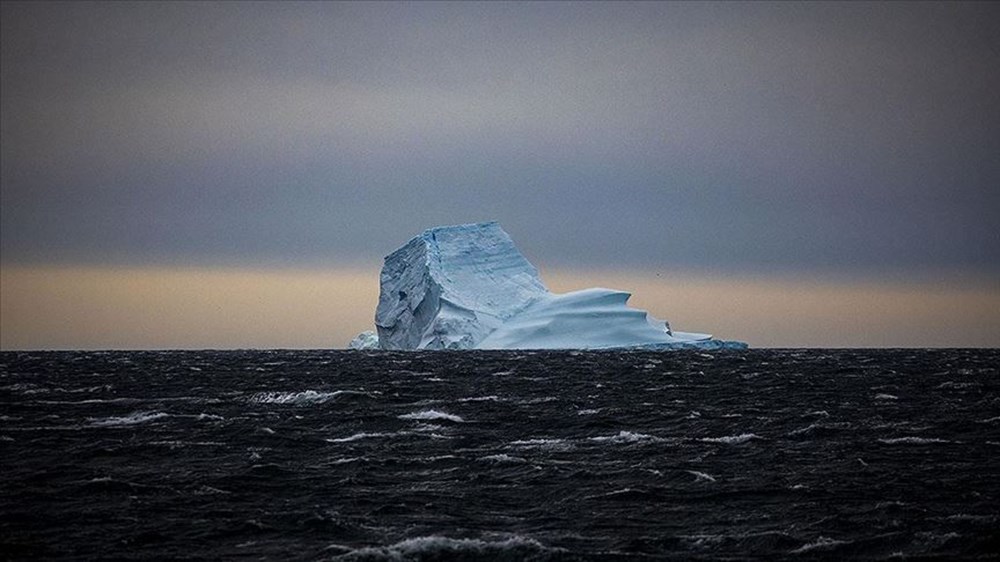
{"type": "Point", "coordinates": [357, 437]}
{"type": "Point", "coordinates": [957, 385]}
{"type": "Point", "coordinates": [176, 444]}
{"type": "Point", "coordinates": [431, 415]}
{"type": "Point", "coordinates": [347, 460]}
{"type": "Point", "coordinates": [731, 439]}
{"type": "Point", "coordinates": [913, 440]}
{"type": "Point", "coordinates": [296, 398]}
{"type": "Point", "coordinates": [816, 429]}
{"type": "Point", "coordinates": [699, 476]}
{"type": "Point", "coordinates": [626, 437]}
{"type": "Point", "coordinates": [818, 413]}
{"type": "Point", "coordinates": [555, 444]}
{"type": "Point", "coordinates": [90, 401]}
{"type": "Point", "coordinates": [131, 419]}
{"type": "Point", "coordinates": [822, 543]}
{"type": "Point", "coordinates": [539, 400]}
{"type": "Point", "coordinates": [445, 548]}
{"type": "Point", "coordinates": [502, 458]}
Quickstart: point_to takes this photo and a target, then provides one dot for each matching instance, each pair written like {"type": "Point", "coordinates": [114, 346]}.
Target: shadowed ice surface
{"type": "Point", "coordinates": [500, 455]}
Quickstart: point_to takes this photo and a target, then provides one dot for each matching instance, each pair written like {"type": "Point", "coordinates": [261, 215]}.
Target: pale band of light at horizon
{"type": "Point", "coordinates": [200, 308]}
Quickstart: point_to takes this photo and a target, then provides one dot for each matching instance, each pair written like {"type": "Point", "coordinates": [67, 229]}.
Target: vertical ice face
{"type": "Point", "coordinates": [449, 287]}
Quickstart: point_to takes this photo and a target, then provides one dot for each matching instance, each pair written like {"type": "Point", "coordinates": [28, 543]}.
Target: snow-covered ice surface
{"type": "Point", "coordinates": [468, 287]}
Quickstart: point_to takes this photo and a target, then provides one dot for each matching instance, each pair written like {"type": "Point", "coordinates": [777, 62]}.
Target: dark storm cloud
{"type": "Point", "coordinates": [848, 137]}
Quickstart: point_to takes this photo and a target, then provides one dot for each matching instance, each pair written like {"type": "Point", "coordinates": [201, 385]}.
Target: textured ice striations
{"type": "Point", "coordinates": [451, 286]}
{"type": "Point", "coordinates": [468, 287]}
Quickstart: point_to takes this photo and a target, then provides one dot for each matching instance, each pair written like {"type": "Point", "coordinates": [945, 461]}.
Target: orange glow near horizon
{"type": "Point", "coordinates": [199, 308]}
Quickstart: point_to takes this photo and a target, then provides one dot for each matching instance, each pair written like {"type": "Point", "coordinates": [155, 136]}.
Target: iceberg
{"type": "Point", "coordinates": [365, 340]}
{"type": "Point", "coordinates": [468, 287]}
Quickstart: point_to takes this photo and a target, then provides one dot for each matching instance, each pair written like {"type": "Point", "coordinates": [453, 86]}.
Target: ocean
{"type": "Point", "coordinates": [570, 455]}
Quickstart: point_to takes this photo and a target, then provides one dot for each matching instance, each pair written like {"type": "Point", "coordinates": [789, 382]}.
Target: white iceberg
{"type": "Point", "coordinates": [468, 287]}
{"type": "Point", "coordinates": [365, 340]}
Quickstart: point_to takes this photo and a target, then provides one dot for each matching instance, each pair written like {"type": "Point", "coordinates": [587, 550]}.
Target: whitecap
{"type": "Point", "coordinates": [539, 400]}
{"type": "Point", "coordinates": [588, 412]}
{"type": "Point", "coordinates": [431, 415]}
{"type": "Point", "coordinates": [913, 440]}
{"type": "Point", "coordinates": [491, 398]}
{"type": "Point", "coordinates": [297, 398]}
{"type": "Point", "coordinates": [437, 547]}
{"type": "Point", "coordinates": [357, 437]}
{"type": "Point", "coordinates": [956, 385]}
{"type": "Point", "coordinates": [182, 444]}
{"type": "Point", "coordinates": [624, 437]}
{"type": "Point", "coordinates": [970, 517]}
{"type": "Point", "coordinates": [731, 439]}
{"type": "Point", "coordinates": [131, 419]}
{"type": "Point", "coordinates": [698, 476]}
{"type": "Point", "coordinates": [206, 490]}
{"type": "Point", "coordinates": [541, 444]}
{"type": "Point", "coordinates": [817, 428]}
{"type": "Point", "coordinates": [502, 458]}
{"type": "Point", "coordinates": [883, 396]}
{"type": "Point", "coordinates": [91, 401]}
{"type": "Point", "coordinates": [821, 543]}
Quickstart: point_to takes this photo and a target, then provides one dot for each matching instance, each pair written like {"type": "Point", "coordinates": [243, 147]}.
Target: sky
{"type": "Point", "coordinates": [186, 174]}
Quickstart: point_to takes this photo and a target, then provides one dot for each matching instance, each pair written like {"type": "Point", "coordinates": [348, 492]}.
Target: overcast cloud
{"type": "Point", "coordinates": [860, 138]}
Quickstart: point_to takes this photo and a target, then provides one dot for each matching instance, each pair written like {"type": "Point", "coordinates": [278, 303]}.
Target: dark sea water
{"type": "Point", "coordinates": [500, 455]}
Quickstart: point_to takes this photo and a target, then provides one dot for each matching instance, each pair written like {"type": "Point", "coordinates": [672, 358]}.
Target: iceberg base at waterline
{"type": "Point", "coordinates": [468, 287]}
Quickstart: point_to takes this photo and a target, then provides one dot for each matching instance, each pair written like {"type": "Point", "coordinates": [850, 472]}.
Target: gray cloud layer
{"type": "Point", "coordinates": [751, 136]}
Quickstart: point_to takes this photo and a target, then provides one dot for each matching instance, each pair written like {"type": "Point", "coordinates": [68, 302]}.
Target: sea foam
{"type": "Point", "coordinates": [731, 439]}
{"type": "Point", "coordinates": [131, 419]}
{"type": "Point", "coordinates": [445, 548]}
{"type": "Point", "coordinates": [431, 415]}
{"type": "Point", "coordinates": [296, 398]}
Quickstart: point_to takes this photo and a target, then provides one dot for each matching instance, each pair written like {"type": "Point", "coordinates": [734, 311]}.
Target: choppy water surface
{"type": "Point", "coordinates": [510, 455]}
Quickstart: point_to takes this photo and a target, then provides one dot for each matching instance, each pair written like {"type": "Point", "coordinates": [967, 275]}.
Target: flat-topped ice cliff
{"type": "Point", "coordinates": [468, 287]}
